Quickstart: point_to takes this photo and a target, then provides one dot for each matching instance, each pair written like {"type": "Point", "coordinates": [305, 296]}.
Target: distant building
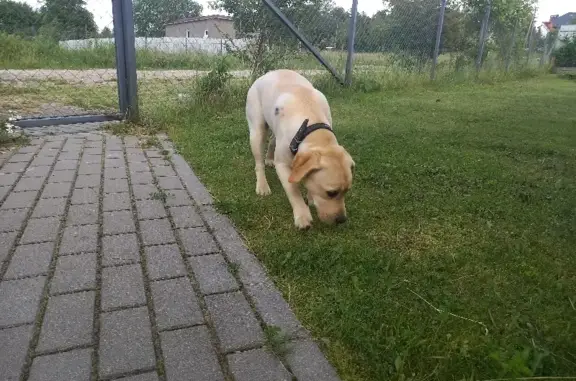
{"type": "Point", "coordinates": [215, 26]}
{"type": "Point", "coordinates": [556, 21]}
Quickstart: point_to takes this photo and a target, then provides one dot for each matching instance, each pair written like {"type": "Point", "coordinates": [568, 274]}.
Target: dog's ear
{"type": "Point", "coordinates": [303, 164]}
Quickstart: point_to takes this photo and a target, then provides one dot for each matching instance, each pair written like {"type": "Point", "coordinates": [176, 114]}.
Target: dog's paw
{"type": "Point", "coordinates": [269, 162]}
{"type": "Point", "coordinates": [263, 189]}
{"type": "Point", "coordinates": [303, 220]}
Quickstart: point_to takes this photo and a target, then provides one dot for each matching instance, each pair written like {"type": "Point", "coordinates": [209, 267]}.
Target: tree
{"type": "Point", "coordinates": [67, 19]}
{"type": "Point", "coordinates": [151, 16]}
{"type": "Point", "coordinates": [106, 33]}
{"type": "Point", "coordinates": [18, 18]}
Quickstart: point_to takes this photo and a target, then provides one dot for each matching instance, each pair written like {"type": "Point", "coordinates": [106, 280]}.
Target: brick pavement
{"type": "Point", "coordinates": [115, 265]}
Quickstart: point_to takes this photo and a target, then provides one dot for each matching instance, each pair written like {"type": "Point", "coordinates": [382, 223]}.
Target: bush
{"type": "Point", "coordinates": [566, 55]}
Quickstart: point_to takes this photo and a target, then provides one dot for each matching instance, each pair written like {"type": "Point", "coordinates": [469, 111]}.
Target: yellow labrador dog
{"type": "Point", "coordinates": [303, 147]}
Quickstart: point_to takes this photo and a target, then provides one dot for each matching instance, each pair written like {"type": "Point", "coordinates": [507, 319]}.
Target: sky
{"type": "Point", "coordinates": [102, 9]}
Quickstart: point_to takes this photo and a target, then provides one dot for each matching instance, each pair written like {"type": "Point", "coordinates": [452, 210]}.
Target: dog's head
{"type": "Point", "coordinates": [327, 175]}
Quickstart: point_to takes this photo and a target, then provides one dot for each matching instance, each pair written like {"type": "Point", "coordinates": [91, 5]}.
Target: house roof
{"type": "Point", "coordinates": [200, 18]}
{"type": "Point", "coordinates": [565, 19]}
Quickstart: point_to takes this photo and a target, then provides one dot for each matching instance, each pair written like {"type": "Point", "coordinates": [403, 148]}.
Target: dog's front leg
{"type": "Point", "coordinates": [302, 215]}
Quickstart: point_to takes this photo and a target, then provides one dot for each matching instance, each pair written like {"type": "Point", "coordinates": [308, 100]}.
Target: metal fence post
{"type": "Point", "coordinates": [130, 58]}
{"type": "Point", "coordinates": [483, 31]}
{"type": "Point", "coordinates": [438, 40]}
{"type": "Point", "coordinates": [351, 42]}
{"type": "Point", "coordinates": [120, 61]}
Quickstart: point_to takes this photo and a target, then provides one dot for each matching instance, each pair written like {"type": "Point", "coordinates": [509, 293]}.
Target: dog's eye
{"type": "Point", "coordinates": [332, 194]}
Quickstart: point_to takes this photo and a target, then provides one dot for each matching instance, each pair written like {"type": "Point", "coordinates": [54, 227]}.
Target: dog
{"type": "Point", "coordinates": [302, 147]}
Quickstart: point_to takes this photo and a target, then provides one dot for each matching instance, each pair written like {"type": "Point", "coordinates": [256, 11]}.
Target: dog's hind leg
{"type": "Point", "coordinates": [258, 132]}
{"type": "Point", "coordinates": [271, 150]}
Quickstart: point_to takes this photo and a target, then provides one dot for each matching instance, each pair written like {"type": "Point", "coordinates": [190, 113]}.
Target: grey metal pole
{"type": "Point", "coordinates": [483, 32]}
{"type": "Point", "coordinates": [438, 40]}
{"type": "Point", "coordinates": [120, 62]}
{"type": "Point", "coordinates": [130, 54]}
{"type": "Point", "coordinates": [351, 42]}
{"type": "Point", "coordinates": [512, 44]}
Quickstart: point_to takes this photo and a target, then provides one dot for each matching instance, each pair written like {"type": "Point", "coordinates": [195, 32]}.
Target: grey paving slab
{"type": "Point", "coordinates": [52, 190]}
{"type": "Point", "coordinates": [257, 365]}
{"type": "Point", "coordinates": [178, 197]}
{"type": "Point", "coordinates": [141, 178]}
{"type": "Point", "coordinates": [125, 342]}
{"type": "Point", "coordinates": [120, 249]}
{"type": "Point", "coordinates": [151, 376]}
{"type": "Point", "coordinates": [85, 196]}
{"type": "Point", "coordinates": [150, 209]}
{"type": "Point", "coordinates": [122, 286]}
{"type": "Point", "coordinates": [163, 171]}
{"type": "Point", "coordinates": [14, 167]}
{"type": "Point", "coordinates": [65, 164]}
{"type": "Point", "coordinates": [118, 222]}
{"type": "Point", "coordinates": [19, 200]}
{"type": "Point", "coordinates": [41, 230]}
{"type": "Point", "coordinates": [307, 362]}
{"type": "Point", "coordinates": [12, 219]}
{"type": "Point", "coordinates": [4, 190]}
{"type": "Point", "coordinates": [89, 169]}
{"type": "Point", "coordinates": [79, 239]}
{"type": "Point", "coordinates": [74, 365]}
{"type": "Point", "coordinates": [30, 260]}
{"type": "Point", "coordinates": [236, 325]}
{"type": "Point", "coordinates": [115, 186]}
{"type": "Point", "coordinates": [7, 240]}
{"type": "Point", "coordinates": [197, 241]}
{"type": "Point", "coordinates": [157, 232]}
{"type": "Point", "coordinates": [115, 173]}
{"type": "Point", "coordinates": [50, 207]}
{"type": "Point", "coordinates": [189, 355]}
{"type": "Point", "coordinates": [74, 272]}
{"type": "Point", "coordinates": [175, 303]}
{"type": "Point", "coordinates": [21, 157]}
{"type": "Point", "coordinates": [87, 181]}
{"type": "Point", "coordinates": [12, 360]}
{"type": "Point", "coordinates": [68, 322]}
{"type": "Point", "coordinates": [43, 160]}
{"type": "Point", "coordinates": [144, 191]}
{"type": "Point", "coordinates": [84, 214]}
{"type": "Point", "coordinates": [38, 171]}
{"type": "Point", "coordinates": [186, 217]}
{"type": "Point", "coordinates": [29, 184]}
{"type": "Point", "coordinates": [62, 176]}
{"type": "Point", "coordinates": [116, 201]}
{"type": "Point", "coordinates": [8, 179]}
{"type": "Point", "coordinates": [170, 183]}
{"type": "Point", "coordinates": [164, 261]}
{"type": "Point", "coordinates": [212, 274]}
{"type": "Point", "coordinates": [19, 300]}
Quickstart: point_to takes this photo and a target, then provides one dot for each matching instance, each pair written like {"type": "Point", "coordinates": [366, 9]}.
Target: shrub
{"type": "Point", "coordinates": [566, 55]}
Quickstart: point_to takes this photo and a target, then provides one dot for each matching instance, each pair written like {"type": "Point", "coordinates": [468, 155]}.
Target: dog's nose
{"type": "Point", "coordinates": [341, 219]}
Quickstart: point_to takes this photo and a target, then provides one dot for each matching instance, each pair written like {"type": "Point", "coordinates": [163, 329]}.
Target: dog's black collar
{"type": "Point", "coordinates": [303, 132]}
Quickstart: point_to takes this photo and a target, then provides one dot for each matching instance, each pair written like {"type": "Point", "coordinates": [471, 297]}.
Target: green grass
{"type": "Point", "coordinates": [458, 258]}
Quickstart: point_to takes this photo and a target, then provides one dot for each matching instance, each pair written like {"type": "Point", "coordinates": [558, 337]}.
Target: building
{"type": "Point", "coordinates": [215, 26]}
{"type": "Point", "coordinates": [556, 21]}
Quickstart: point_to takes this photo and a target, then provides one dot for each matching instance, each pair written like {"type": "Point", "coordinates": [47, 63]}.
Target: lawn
{"type": "Point", "coordinates": [458, 258]}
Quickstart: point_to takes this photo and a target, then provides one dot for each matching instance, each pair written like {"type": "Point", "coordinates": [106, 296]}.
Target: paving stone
{"type": "Point", "coordinates": [89, 169]}
{"type": "Point", "coordinates": [212, 274]}
{"type": "Point", "coordinates": [38, 171]}
{"type": "Point", "coordinates": [178, 197]}
{"type": "Point", "coordinates": [118, 222]}
{"type": "Point", "coordinates": [175, 303]}
{"type": "Point", "coordinates": [141, 178]}
{"type": "Point", "coordinates": [7, 240]}
{"type": "Point", "coordinates": [53, 190]}
{"type": "Point", "coordinates": [20, 200]}
{"type": "Point", "coordinates": [82, 214]}
{"type": "Point", "coordinates": [12, 219]}
{"type": "Point", "coordinates": [115, 173]}
{"type": "Point", "coordinates": [74, 272]}
{"type": "Point", "coordinates": [65, 164]}
{"type": "Point", "coordinates": [29, 148]}
{"type": "Point", "coordinates": [49, 207]}
{"type": "Point", "coordinates": [164, 170]}
{"type": "Point", "coordinates": [143, 192]}
{"type": "Point", "coordinates": [159, 161]}
{"type": "Point", "coordinates": [92, 159]}
{"type": "Point", "coordinates": [153, 153]}
{"type": "Point", "coordinates": [12, 360]}
{"type": "Point", "coordinates": [122, 286]}
{"type": "Point", "coordinates": [120, 249]}
{"type": "Point", "coordinates": [142, 377]}
{"type": "Point", "coordinates": [186, 217]}
{"type": "Point", "coordinates": [14, 167]}
{"type": "Point", "coordinates": [115, 186]}
{"type": "Point", "coordinates": [87, 181]}
{"type": "Point", "coordinates": [307, 362]}
{"type": "Point", "coordinates": [114, 163]}
{"type": "Point", "coordinates": [30, 260]}
{"type": "Point", "coordinates": [125, 342]}
{"type": "Point", "coordinates": [156, 232]}
{"type": "Point", "coordinates": [8, 179]}
{"type": "Point", "coordinates": [93, 151]}
{"type": "Point", "coordinates": [21, 157]}
{"type": "Point", "coordinates": [189, 355]}
{"type": "Point", "coordinates": [274, 310]}
{"type": "Point", "coordinates": [68, 322]}
{"type": "Point", "coordinates": [137, 166]}
{"type": "Point", "coordinates": [235, 322]}
{"type": "Point", "coordinates": [4, 190]}
{"type": "Point", "coordinates": [19, 300]}
{"type": "Point", "coordinates": [116, 201]}
{"type": "Point", "coordinates": [169, 183]}
{"type": "Point", "coordinates": [150, 209]}
{"type": "Point", "coordinates": [257, 365]}
{"type": "Point", "coordinates": [197, 241]}
{"type": "Point", "coordinates": [41, 230]}
{"type": "Point", "coordinates": [29, 184]}
{"type": "Point", "coordinates": [62, 176]}
{"type": "Point", "coordinates": [73, 365]}
{"type": "Point", "coordinates": [85, 196]}
{"type": "Point", "coordinates": [79, 239]}
{"type": "Point", "coordinates": [43, 160]}
{"type": "Point", "coordinates": [164, 261]}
